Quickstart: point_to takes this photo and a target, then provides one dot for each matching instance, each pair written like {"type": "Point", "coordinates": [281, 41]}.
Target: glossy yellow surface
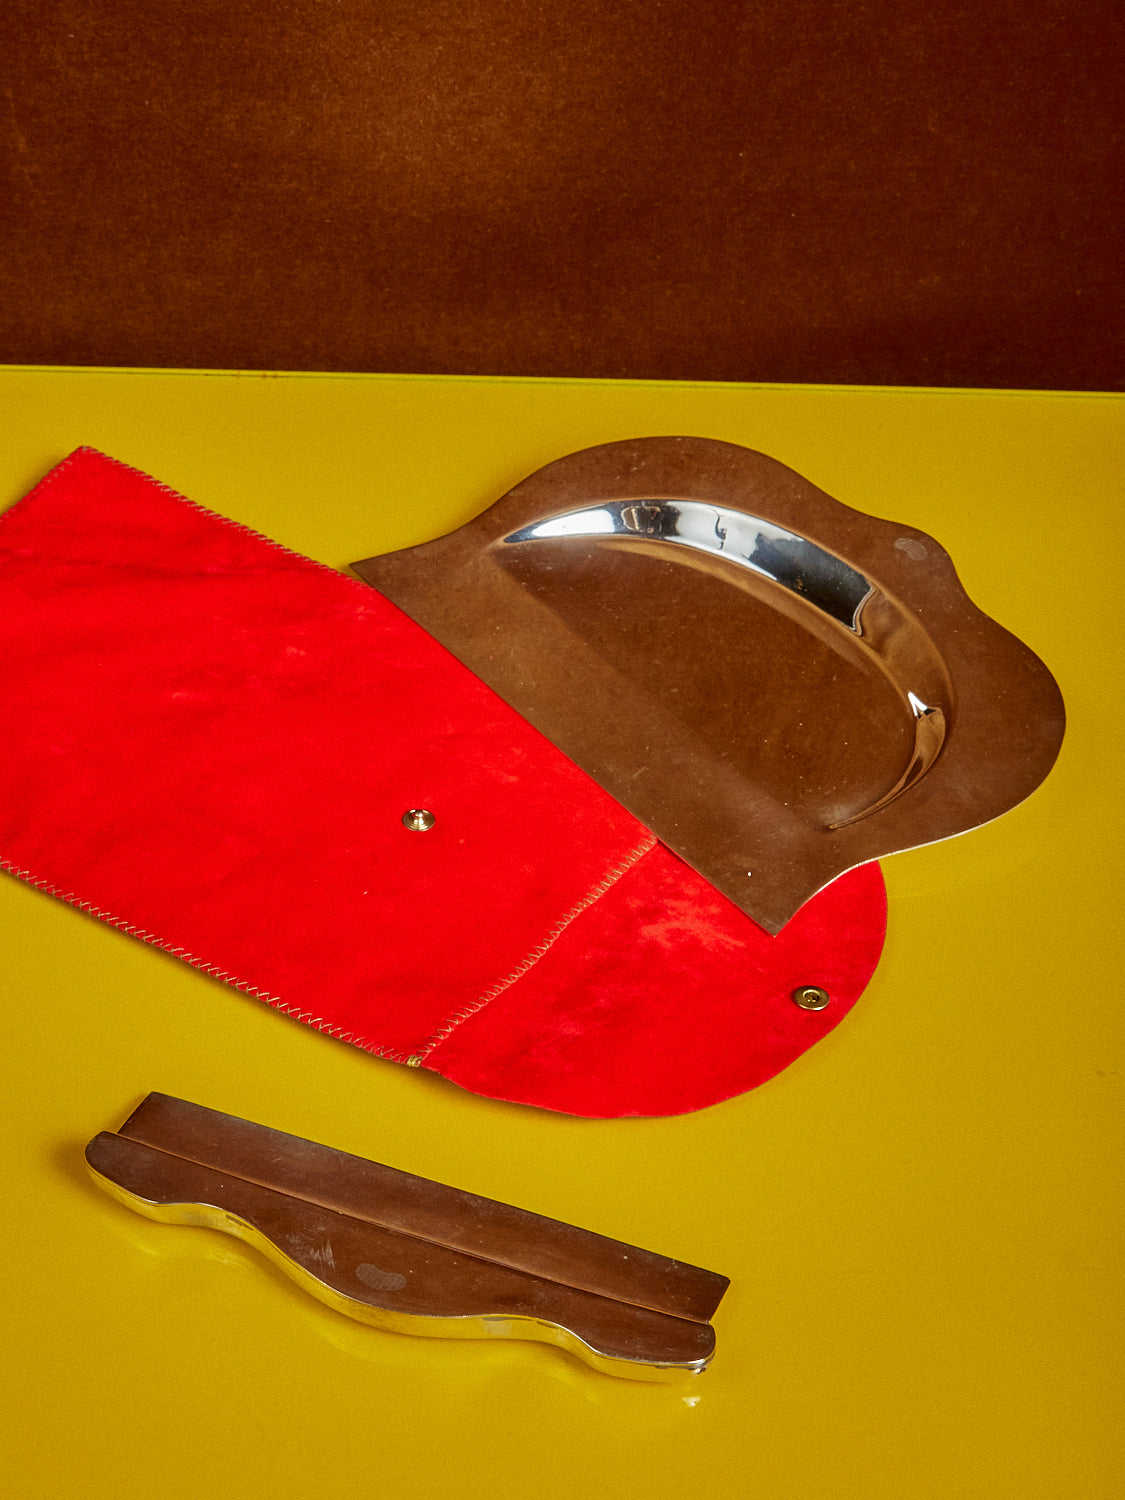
{"type": "Point", "coordinates": [921, 1218]}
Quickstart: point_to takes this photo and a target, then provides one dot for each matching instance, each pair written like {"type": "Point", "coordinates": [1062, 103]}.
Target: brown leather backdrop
{"type": "Point", "coordinates": [796, 190]}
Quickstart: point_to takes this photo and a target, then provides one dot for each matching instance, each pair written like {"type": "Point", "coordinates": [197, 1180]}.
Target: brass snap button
{"type": "Point", "coordinates": [810, 997]}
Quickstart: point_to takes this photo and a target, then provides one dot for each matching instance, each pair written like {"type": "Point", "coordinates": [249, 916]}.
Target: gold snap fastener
{"type": "Point", "coordinates": [419, 819]}
{"type": "Point", "coordinates": [810, 997]}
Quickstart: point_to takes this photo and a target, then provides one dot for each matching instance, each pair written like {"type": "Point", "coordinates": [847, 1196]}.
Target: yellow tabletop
{"type": "Point", "coordinates": [921, 1218]}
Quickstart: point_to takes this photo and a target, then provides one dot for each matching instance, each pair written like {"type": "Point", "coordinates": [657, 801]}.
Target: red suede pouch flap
{"type": "Point", "coordinates": [211, 742]}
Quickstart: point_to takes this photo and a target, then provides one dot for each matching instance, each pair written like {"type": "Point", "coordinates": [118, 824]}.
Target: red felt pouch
{"type": "Point", "coordinates": [211, 742]}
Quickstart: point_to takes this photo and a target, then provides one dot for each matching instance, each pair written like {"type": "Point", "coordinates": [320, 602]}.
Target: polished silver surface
{"type": "Point", "coordinates": [407, 1254]}
{"type": "Point", "coordinates": [770, 551]}
{"type": "Point", "coordinates": [929, 737]}
{"type": "Point", "coordinates": [767, 679]}
{"type": "Point", "coordinates": [765, 550]}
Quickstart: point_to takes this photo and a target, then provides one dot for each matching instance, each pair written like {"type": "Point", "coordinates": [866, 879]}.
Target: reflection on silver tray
{"type": "Point", "coordinates": [779, 686]}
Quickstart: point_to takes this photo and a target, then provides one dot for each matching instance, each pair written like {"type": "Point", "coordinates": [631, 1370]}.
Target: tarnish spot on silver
{"type": "Point", "coordinates": [379, 1281]}
{"type": "Point", "coordinates": [915, 551]}
{"type": "Point", "coordinates": [304, 1248]}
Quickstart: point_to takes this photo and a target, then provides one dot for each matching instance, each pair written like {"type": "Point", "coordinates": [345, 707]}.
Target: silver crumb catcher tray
{"type": "Point", "coordinates": [778, 686]}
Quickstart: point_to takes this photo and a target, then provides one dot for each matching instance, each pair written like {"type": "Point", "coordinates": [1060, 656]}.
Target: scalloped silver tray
{"type": "Point", "coordinates": [778, 686]}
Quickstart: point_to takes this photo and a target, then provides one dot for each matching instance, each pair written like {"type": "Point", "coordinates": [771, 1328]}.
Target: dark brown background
{"type": "Point", "coordinates": [795, 190]}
